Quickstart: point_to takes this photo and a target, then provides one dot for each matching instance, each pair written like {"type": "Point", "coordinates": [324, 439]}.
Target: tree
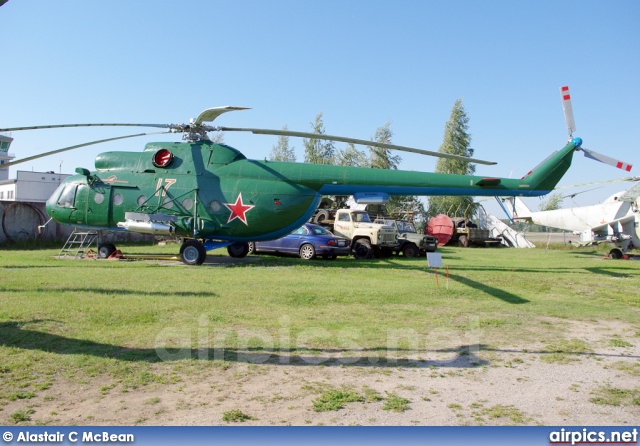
{"type": "Point", "coordinates": [381, 158]}
{"type": "Point", "coordinates": [282, 151]}
{"type": "Point", "coordinates": [552, 203]}
{"type": "Point", "coordinates": [456, 141]}
{"type": "Point", "coordinates": [318, 151]}
{"type": "Point", "coordinates": [350, 156]}
{"type": "Point", "coordinates": [218, 138]}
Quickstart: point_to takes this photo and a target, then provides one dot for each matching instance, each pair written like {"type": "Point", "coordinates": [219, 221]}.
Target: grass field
{"type": "Point", "coordinates": [125, 324]}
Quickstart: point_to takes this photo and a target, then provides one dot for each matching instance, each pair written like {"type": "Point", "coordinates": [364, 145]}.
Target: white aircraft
{"type": "Point", "coordinates": [616, 220]}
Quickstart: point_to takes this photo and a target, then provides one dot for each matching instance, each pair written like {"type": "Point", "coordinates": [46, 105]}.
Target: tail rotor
{"type": "Point", "coordinates": [571, 127]}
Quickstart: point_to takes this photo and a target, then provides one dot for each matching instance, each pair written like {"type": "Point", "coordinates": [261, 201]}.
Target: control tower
{"type": "Point", "coordinates": [5, 156]}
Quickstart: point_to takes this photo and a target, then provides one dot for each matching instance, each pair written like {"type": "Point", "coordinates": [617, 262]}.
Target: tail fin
{"type": "Point", "coordinates": [520, 210]}
{"type": "Point", "coordinates": [548, 173]}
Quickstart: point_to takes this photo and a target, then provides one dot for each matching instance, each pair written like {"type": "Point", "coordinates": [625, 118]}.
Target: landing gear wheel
{"type": "Point", "coordinates": [615, 253]}
{"type": "Point", "coordinates": [362, 249]}
{"type": "Point", "coordinates": [463, 241]}
{"type": "Point", "coordinates": [411, 250]}
{"type": "Point", "coordinates": [238, 250]}
{"type": "Point", "coordinates": [192, 252]}
{"type": "Point", "coordinates": [252, 247]}
{"type": "Point", "coordinates": [329, 257]}
{"type": "Point", "coordinates": [307, 252]}
{"type": "Point", "coordinates": [105, 250]}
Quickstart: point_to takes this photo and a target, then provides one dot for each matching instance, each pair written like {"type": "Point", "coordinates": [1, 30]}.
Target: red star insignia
{"type": "Point", "coordinates": [238, 210]}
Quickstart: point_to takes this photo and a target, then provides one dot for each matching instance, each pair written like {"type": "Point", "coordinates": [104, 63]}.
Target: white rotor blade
{"type": "Point", "coordinates": [631, 194]}
{"type": "Point", "coordinates": [616, 180]}
{"type": "Point", "coordinates": [607, 160]}
{"type": "Point", "coordinates": [568, 109]}
{"type": "Point", "coordinates": [212, 113]}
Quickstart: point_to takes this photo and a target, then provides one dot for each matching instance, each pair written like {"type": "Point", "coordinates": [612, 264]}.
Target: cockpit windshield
{"type": "Point", "coordinates": [68, 196]}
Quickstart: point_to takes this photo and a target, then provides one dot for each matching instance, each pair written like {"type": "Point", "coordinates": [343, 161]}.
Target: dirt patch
{"type": "Point", "coordinates": [548, 384]}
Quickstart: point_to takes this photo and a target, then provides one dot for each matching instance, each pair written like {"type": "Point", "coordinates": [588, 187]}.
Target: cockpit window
{"type": "Point", "coordinates": [68, 196]}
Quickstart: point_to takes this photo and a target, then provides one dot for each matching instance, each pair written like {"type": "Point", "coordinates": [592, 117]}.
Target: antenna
{"type": "Point", "coordinates": [568, 110]}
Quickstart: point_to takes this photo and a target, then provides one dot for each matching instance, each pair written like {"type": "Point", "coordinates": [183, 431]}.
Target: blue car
{"type": "Point", "coordinates": [308, 241]}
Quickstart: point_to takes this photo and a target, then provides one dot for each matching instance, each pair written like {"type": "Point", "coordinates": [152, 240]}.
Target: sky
{"type": "Point", "coordinates": [362, 63]}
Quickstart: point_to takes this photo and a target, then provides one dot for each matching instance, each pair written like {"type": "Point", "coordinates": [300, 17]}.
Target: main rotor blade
{"type": "Point", "coordinates": [354, 141]}
{"type": "Point", "coordinates": [42, 155]}
{"type": "Point", "coordinates": [57, 126]}
{"type": "Point", "coordinates": [211, 114]}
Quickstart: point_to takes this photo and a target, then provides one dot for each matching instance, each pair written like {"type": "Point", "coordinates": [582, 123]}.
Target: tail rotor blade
{"type": "Point", "coordinates": [607, 160]}
{"type": "Point", "coordinates": [568, 109]}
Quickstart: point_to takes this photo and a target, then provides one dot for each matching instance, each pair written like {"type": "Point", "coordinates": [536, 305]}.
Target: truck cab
{"type": "Point", "coordinates": [367, 238]}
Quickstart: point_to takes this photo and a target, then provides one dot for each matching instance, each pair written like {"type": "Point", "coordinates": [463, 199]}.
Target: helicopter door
{"type": "Point", "coordinates": [79, 214]}
{"type": "Point", "coordinates": [116, 205]}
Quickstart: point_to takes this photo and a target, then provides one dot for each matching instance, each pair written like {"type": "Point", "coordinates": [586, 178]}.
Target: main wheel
{"type": "Point", "coordinates": [411, 250]}
{"type": "Point", "coordinates": [307, 251]}
{"type": "Point", "coordinates": [615, 253]}
{"type": "Point", "coordinates": [105, 250]}
{"type": "Point", "coordinates": [192, 252]}
{"type": "Point", "coordinates": [238, 250]}
{"type": "Point", "coordinates": [362, 249]}
{"type": "Point", "coordinates": [463, 241]}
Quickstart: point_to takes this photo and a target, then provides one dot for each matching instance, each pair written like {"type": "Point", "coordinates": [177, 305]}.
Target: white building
{"type": "Point", "coordinates": [35, 187]}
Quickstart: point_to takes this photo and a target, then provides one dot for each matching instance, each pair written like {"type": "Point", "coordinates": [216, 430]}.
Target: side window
{"type": "Point", "coordinates": [344, 217]}
{"type": "Point", "coordinates": [302, 231]}
{"type": "Point", "coordinates": [68, 196]}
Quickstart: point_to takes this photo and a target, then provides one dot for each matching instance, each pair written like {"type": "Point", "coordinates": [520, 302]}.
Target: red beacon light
{"type": "Point", "coordinates": [162, 158]}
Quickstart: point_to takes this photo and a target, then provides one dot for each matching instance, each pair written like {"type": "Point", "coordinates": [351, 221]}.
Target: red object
{"type": "Point", "coordinates": [239, 210]}
{"type": "Point", "coordinates": [162, 158]}
{"type": "Point", "coordinates": [441, 227]}
{"type": "Point", "coordinates": [117, 254]}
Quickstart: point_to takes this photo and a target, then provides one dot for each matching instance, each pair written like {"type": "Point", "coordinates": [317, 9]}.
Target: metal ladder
{"type": "Point", "coordinates": [78, 244]}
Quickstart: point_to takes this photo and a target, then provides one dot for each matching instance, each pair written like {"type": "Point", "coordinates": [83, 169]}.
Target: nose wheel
{"type": "Point", "coordinates": [615, 254]}
{"type": "Point", "coordinates": [105, 250]}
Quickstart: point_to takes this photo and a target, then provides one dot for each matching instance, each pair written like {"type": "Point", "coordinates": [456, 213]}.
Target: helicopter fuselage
{"type": "Point", "coordinates": [205, 190]}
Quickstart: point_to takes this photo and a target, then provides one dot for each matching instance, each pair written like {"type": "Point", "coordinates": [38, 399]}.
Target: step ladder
{"type": "Point", "coordinates": [497, 228]}
{"type": "Point", "coordinates": [78, 244]}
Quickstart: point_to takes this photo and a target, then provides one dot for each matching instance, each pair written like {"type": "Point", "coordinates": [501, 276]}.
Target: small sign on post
{"type": "Point", "coordinates": [434, 260]}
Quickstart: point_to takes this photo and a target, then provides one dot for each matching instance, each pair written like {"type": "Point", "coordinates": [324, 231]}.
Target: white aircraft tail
{"type": "Point", "coordinates": [520, 210]}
